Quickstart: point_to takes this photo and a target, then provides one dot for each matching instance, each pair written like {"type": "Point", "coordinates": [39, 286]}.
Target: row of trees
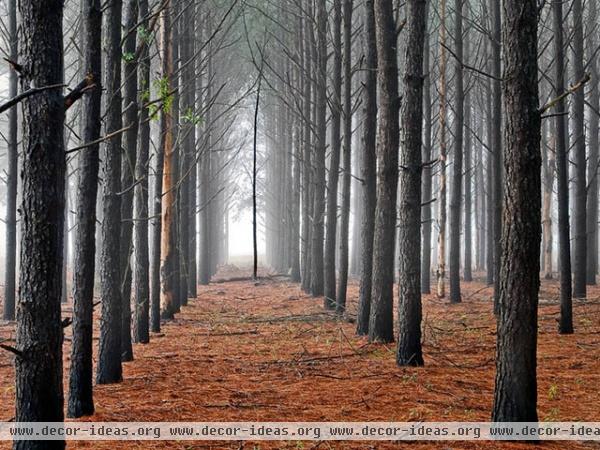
{"type": "Point", "coordinates": [333, 110]}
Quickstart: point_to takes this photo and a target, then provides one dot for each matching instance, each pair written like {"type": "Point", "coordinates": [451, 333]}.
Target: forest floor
{"type": "Point", "coordinates": [265, 351]}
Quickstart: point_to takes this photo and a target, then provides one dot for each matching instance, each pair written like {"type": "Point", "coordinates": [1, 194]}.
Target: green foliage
{"type": "Point", "coordinates": [128, 57]}
{"type": "Point", "coordinates": [144, 35]}
{"type": "Point", "coordinates": [191, 117]}
{"type": "Point", "coordinates": [165, 98]}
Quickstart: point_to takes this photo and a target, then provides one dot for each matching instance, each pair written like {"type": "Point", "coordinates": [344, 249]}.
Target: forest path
{"type": "Point", "coordinates": [268, 352]}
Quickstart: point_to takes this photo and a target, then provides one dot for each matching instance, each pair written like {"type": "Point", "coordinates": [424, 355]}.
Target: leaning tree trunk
{"type": "Point", "coordinates": [562, 175]}
{"type": "Point", "coordinates": [347, 160]}
{"type": "Point", "coordinates": [10, 260]}
{"type": "Point", "coordinates": [516, 387]}
{"type": "Point", "coordinates": [369, 171]}
{"type": "Point", "coordinates": [39, 334]}
{"type": "Point", "coordinates": [457, 166]}
{"type": "Point", "coordinates": [109, 368]}
{"type": "Point", "coordinates": [81, 402]}
{"type": "Point", "coordinates": [334, 160]}
{"type": "Point", "coordinates": [141, 316]}
{"type": "Point", "coordinates": [381, 321]}
{"type": "Point", "coordinates": [409, 304]}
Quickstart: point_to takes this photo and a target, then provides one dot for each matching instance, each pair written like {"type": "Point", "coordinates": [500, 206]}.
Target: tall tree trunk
{"type": "Point", "coordinates": [39, 334]}
{"type": "Point", "coordinates": [130, 118]}
{"type": "Point", "coordinates": [81, 402]}
{"type": "Point", "coordinates": [369, 169]}
{"type": "Point", "coordinates": [316, 285]}
{"type": "Point", "coordinates": [109, 368]}
{"type": "Point", "coordinates": [516, 387]}
{"type": "Point", "coordinates": [334, 161]}
{"type": "Point", "coordinates": [441, 269]}
{"type": "Point", "coordinates": [141, 330]}
{"type": "Point", "coordinates": [409, 305]}
{"type": "Point", "coordinates": [593, 159]}
{"type": "Point", "coordinates": [347, 159]}
{"type": "Point", "coordinates": [548, 172]}
{"type": "Point", "coordinates": [579, 159]}
{"type": "Point", "coordinates": [306, 149]}
{"type": "Point", "coordinates": [562, 174]}
{"type": "Point", "coordinates": [459, 122]}
{"type": "Point", "coordinates": [168, 244]}
{"type": "Point", "coordinates": [468, 176]}
{"type": "Point", "coordinates": [381, 321]}
{"type": "Point", "coordinates": [10, 260]}
{"type": "Point", "coordinates": [496, 132]}
{"type": "Point", "coordinates": [427, 191]}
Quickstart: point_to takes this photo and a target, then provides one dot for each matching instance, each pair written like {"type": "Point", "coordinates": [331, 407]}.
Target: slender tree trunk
{"type": "Point", "coordinates": [81, 402]}
{"type": "Point", "coordinates": [316, 286]}
{"type": "Point", "coordinates": [593, 158]}
{"type": "Point", "coordinates": [409, 305]}
{"type": "Point", "coordinates": [306, 149]}
{"type": "Point", "coordinates": [39, 334]}
{"type": "Point", "coordinates": [427, 191]}
{"type": "Point", "coordinates": [168, 243]}
{"type": "Point", "coordinates": [516, 387]}
{"type": "Point", "coordinates": [441, 269]}
{"type": "Point", "coordinates": [141, 330]}
{"type": "Point", "coordinates": [496, 125]}
{"type": "Point", "coordinates": [562, 175]}
{"type": "Point", "coordinates": [347, 159]}
{"type": "Point", "coordinates": [10, 261]}
{"type": "Point", "coordinates": [381, 321]}
{"type": "Point", "coordinates": [468, 176]}
{"type": "Point", "coordinates": [334, 161]}
{"type": "Point", "coordinates": [130, 118]}
{"type": "Point", "coordinates": [109, 368]}
{"type": "Point", "coordinates": [459, 122]}
{"type": "Point", "coordinates": [579, 159]}
{"type": "Point", "coordinates": [369, 169]}
{"type": "Point", "coordinates": [548, 172]}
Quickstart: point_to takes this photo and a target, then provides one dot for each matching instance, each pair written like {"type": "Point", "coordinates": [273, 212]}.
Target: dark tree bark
{"type": "Point", "coordinates": [381, 321]}
{"type": "Point", "coordinates": [141, 331]}
{"type": "Point", "coordinates": [443, 158]}
{"type": "Point", "coordinates": [427, 188]}
{"type": "Point", "coordinates": [130, 118]}
{"type": "Point", "coordinates": [469, 170]}
{"type": "Point", "coordinates": [10, 260]}
{"type": "Point", "coordinates": [307, 149]}
{"type": "Point", "coordinates": [334, 161]}
{"type": "Point", "coordinates": [81, 402]}
{"type": "Point", "coordinates": [347, 160]}
{"type": "Point", "coordinates": [579, 159]}
{"type": "Point", "coordinates": [593, 158]}
{"type": "Point", "coordinates": [409, 351]}
{"type": "Point", "coordinates": [320, 58]}
{"type": "Point", "coordinates": [516, 388]}
{"type": "Point", "coordinates": [496, 125]}
{"type": "Point", "coordinates": [369, 170]}
{"type": "Point", "coordinates": [562, 174]}
{"type": "Point", "coordinates": [39, 334]}
{"type": "Point", "coordinates": [456, 200]}
{"type": "Point", "coordinates": [109, 368]}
